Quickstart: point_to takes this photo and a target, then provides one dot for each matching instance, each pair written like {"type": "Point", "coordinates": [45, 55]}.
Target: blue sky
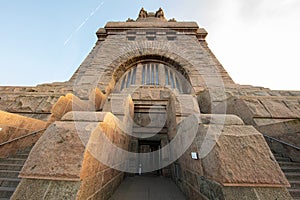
{"type": "Point", "coordinates": [257, 41]}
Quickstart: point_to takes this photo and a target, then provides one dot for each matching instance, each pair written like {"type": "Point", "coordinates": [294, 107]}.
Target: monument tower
{"type": "Point", "coordinates": [149, 99]}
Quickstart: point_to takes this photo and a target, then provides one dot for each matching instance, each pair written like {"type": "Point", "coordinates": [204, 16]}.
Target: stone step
{"type": "Point", "coordinates": [150, 106]}
{"type": "Point", "coordinates": [148, 126]}
{"type": "Point", "coordinates": [289, 164]}
{"type": "Point", "coordinates": [9, 174]}
{"type": "Point", "coordinates": [294, 192]}
{"type": "Point", "coordinates": [277, 155]}
{"type": "Point", "coordinates": [22, 156]}
{"type": "Point", "coordinates": [282, 159]}
{"type": "Point", "coordinates": [290, 169]}
{"type": "Point", "coordinates": [292, 176]}
{"type": "Point", "coordinates": [6, 192]}
{"type": "Point", "coordinates": [26, 151]}
{"type": "Point", "coordinates": [144, 130]}
{"type": "Point", "coordinates": [152, 111]}
{"type": "Point", "coordinates": [9, 182]}
{"type": "Point", "coordinates": [13, 161]}
{"type": "Point", "coordinates": [295, 184]}
{"type": "Point", "coordinates": [150, 102]}
{"type": "Point", "coordinates": [13, 167]}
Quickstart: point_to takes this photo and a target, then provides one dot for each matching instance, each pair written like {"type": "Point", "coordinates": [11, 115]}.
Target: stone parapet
{"type": "Point", "coordinates": [219, 168]}
{"type": "Point", "coordinates": [253, 165]}
{"type": "Point", "coordinates": [14, 126]}
{"type": "Point", "coordinates": [69, 153]}
{"type": "Point", "coordinates": [273, 113]}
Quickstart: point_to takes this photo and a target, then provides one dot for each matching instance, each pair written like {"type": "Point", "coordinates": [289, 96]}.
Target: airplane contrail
{"type": "Point", "coordinates": [83, 23]}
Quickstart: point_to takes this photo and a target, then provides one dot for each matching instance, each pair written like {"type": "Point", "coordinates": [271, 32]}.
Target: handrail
{"type": "Point", "coordinates": [21, 137]}
{"type": "Point", "coordinates": [282, 142]}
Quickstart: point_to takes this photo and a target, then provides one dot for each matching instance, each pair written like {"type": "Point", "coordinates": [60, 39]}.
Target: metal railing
{"type": "Point", "coordinates": [23, 136]}
{"type": "Point", "coordinates": [281, 142]}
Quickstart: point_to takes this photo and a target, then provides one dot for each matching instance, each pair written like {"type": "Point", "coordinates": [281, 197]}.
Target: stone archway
{"type": "Point", "coordinates": [119, 66]}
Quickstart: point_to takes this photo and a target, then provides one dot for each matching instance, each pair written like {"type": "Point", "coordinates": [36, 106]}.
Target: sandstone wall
{"type": "Point", "coordinates": [70, 102]}
{"type": "Point", "coordinates": [70, 154]}
{"type": "Point", "coordinates": [112, 56]}
{"type": "Point", "coordinates": [35, 102]}
{"type": "Point", "coordinates": [13, 126]}
{"type": "Point", "coordinates": [273, 113]}
{"type": "Point", "coordinates": [220, 168]}
{"type": "Point", "coordinates": [67, 153]}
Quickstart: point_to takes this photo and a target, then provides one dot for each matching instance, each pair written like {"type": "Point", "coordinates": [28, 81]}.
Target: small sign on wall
{"type": "Point", "coordinates": [194, 155]}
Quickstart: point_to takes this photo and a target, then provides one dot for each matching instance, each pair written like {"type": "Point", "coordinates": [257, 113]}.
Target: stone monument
{"type": "Point", "coordinates": [150, 97]}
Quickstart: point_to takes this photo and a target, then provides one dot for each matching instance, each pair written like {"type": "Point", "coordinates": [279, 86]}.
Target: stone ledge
{"type": "Point", "coordinates": [84, 116]}
{"type": "Point", "coordinates": [221, 119]}
{"type": "Point", "coordinates": [178, 25]}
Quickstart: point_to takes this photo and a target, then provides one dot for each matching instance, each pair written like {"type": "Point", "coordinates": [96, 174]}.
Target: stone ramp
{"type": "Point", "coordinates": [292, 172]}
{"type": "Point", "coordinates": [9, 171]}
{"type": "Point", "coordinates": [148, 188]}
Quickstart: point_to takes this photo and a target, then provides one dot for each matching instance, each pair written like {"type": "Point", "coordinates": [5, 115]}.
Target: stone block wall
{"type": "Point", "coordinates": [13, 126]}
{"type": "Point", "coordinates": [70, 102]}
{"type": "Point", "coordinates": [273, 113]}
{"type": "Point", "coordinates": [35, 102]}
{"type": "Point", "coordinates": [70, 154]}
{"type": "Point", "coordinates": [219, 169]}
{"type": "Point", "coordinates": [115, 53]}
{"type": "Point", "coordinates": [98, 180]}
{"type": "Point", "coordinates": [67, 155]}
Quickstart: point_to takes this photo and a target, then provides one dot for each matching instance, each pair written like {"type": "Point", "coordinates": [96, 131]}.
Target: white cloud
{"type": "Point", "coordinates": [258, 43]}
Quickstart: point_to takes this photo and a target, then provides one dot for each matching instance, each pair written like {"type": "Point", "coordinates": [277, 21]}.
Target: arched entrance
{"type": "Point", "coordinates": [154, 73]}
{"type": "Point", "coordinates": [153, 86]}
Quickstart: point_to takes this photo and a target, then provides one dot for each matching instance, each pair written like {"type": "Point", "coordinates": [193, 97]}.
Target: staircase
{"type": "Point", "coordinates": [292, 172]}
{"type": "Point", "coordinates": [9, 172]}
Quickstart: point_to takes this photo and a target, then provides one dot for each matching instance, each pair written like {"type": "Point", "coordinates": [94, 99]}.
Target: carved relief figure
{"type": "Point", "coordinates": [160, 13]}
{"type": "Point", "coordinates": [143, 13]}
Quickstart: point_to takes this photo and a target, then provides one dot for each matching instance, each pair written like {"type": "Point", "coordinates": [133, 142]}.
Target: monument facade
{"type": "Point", "coordinates": [150, 98]}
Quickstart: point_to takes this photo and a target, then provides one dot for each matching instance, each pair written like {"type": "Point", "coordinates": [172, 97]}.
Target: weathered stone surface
{"type": "Point", "coordinates": [58, 154]}
{"type": "Point", "coordinates": [65, 104]}
{"type": "Point", "coordinates": [46, 189]}
{"type": "Point", "coordinates": [99, 180]}
{"type": "Point", "coordinates": [14, 126]}
{"type": "Point", "coordinates": [279, 109]}
{"type": "Point", "coordinates": [118, 103]}
{"type": "Point", "coordinates": [221, 119]}
{"type": "Point", "coordinates": [186, 105]}
{"type": "Point", "coordinates": [287, 130]}
{"type": "Point", "coordinates": [209, 98]}
{"type": "Point", "coordinates": [70, 151]}
{"type": "Point", "coordinates": [156, 24]}
{"type": "Point", "coordinates": [247, 108]}
{"type": "Point", "coordinates": [84, 116]}
{"type": "Point", "coordinates": [231, 154]}
{"type": "Point", "coordinates": [35, 102]}
{"type": "Point", "coordinates": [245, 193]}
{"type": "Point", "coordinates": [95, 176]}
{"type": "Point", "coordinates": [96, 100]}
{"type": "Point", "coordinates": [211, 189]}
{"type": "Point", "coordinates": [254, 164]}
{"type": "Point", "coordinates": [263, 107]}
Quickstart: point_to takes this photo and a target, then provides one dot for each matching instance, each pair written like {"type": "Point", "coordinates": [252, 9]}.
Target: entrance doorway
{"type": "Point", "coordinates": [152, 160]}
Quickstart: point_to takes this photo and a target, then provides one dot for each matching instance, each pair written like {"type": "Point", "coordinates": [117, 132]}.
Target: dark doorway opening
{"type": "Point", "coordinates": [152, 160]}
